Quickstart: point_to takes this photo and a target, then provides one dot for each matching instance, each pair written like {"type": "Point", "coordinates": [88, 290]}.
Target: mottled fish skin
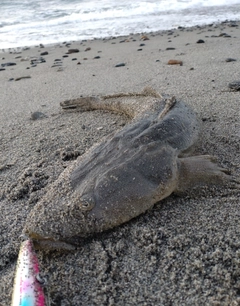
{"type": "Point", "coordinates": [121, 177]}
{"type": "Point", "coordinates": [27, 289]}
{"type": "Point", "coordinates": [125, 174]}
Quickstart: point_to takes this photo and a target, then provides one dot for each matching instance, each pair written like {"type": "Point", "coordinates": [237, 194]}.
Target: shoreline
{"type": "Point", "coordinates": [184, 251]}
{"type": "Point", "coordinates": [158, 32]}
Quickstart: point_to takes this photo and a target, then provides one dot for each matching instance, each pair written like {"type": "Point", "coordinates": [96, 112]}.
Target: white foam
{"type": "Point", "coordinates": [29, 22]}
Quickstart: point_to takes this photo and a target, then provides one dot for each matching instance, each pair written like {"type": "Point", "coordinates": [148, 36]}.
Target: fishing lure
{"type": "Point", "coordinates": [28, 290]}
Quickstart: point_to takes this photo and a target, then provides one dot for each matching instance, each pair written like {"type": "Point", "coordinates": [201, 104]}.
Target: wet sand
{"type": "Point", "coordinates": [185, 251]}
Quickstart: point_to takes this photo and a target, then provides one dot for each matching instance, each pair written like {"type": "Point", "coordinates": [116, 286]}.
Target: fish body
{"type": "Point", "coordinates": [27, 289]}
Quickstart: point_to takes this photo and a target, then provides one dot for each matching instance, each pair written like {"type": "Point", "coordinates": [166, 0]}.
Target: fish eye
{"type": "Point", "coordinates": [86, 203]}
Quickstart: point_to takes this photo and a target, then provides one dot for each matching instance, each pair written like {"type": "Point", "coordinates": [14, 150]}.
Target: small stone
{"type": "Point", "coordinates": [23, 77]}
{"type": "Point", "coordinates": [11, 79]}
{"type": "Point", "coordinates": [139, 49]}
{"type": "Point", "coordinates": [57, 60]}
{"type": "Point", "coordinates": [41, 46]}
{"type": "Point", "coordinates": [70, 51]}
{"type": "Point", "coordinates": [8, 64]}
{"type": "Point", "coordinates": [97, 57]}
{"type": "Point", "coordinates": [87, 49]}
{"type": "Point", "coordinates": [200, 41]}
{"type": "Point", "coordinates": [1, 69]}
{"type": "Point", "coordinates": [44, 53]}
{"type": "Point", "coordinates": [191, 68]}
{"type": "Point", "coordinates": [37, 115]}
{"type": "Point", "coordinates": [229, 59]}
{"type": "Point", "coordinates": [141, 45]}
{"type": "Point", "coordinates": [157, 60]}
{"type": "Point", "coordinates": [120, 65]}
{"type": "Point", "coordinates": [144, 37]}
{"type": "Point", "coordinates": [56, 65]}
{"type": "Point", "coordinates": [78, 63]}
{"type": "Point", "coordinates": [175, 62]}
{"type": "Point", "coordinates": [74, 59]}
{"type": "Point", "coordinates": [235, 85]}
{"type": "Point", "coordinates": [170, 48]}
{"type": "Point", "coordinates": [65, 55]}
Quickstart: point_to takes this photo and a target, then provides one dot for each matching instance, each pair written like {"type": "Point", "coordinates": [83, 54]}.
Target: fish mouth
{"type": "Point", "coordinates": [48, 244]}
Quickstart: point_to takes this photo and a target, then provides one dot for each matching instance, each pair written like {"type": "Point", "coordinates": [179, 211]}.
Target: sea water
{"type": "Point", "coordinates": [31, 22]}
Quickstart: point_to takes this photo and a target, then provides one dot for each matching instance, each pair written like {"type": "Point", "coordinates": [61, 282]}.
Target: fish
{"type": "Point", "coordinates": [28, 290]}
{"type": "Point", "coordinates": [126, 173]}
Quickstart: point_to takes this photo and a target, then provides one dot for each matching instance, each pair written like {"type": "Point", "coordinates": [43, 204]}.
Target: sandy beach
{"type": "Point", "coordinates": [184, 251]}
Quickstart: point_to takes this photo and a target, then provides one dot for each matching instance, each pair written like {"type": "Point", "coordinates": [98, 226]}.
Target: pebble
{"type": "Point", "coordinates": [39, 60]}
{"type": "Point", "coordinates": [23, 77]}
{"type": "Point", "coordinates": [37, 115]}
{"type": "Point", "coordinates": [144, 37]}
{"type": "Point", "coordinates": [170, 48]}
{"type": "Point", "coordinates": [8, 64]}
{"type": "Point", "coordinates": [235, 85]}
{"type": "Point", "coordinates": [200, 41]}
{"type": "Point", "coordinates": [87, 49]}
{"type": "Point", "coordinates": [229, 59]}
{"type": "Point", "coordinates": [139, 49]}
{"type": "Point", "coordinates": [120, 65]}
{"type": "Point", "coordinates": [1, 69]}
{"type": "Point", "coordinates": [141, 45]}
{"type": "Point", "coordinates": [74, 59]}
{"type": "Point", "coordinates": [65, 55]}
{"type": "Point", "coordinates": [44, 53]}
{"type": "Point", "coordinates": [175, 62]}
{"type": "Point", "coordinates": [96, 57]}
{"type": "Point", "coordinates": [70, 51]}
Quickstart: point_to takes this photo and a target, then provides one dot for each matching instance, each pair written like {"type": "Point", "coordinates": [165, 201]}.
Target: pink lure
{"type": "Point", "coordinates": [27, 289]}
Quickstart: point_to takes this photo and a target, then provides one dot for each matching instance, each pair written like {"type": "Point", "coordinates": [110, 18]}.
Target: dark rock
{"type": "Point", "coordinates": [23, 77]}
{"type": "Point", "coordinates": [120, 65]}
{"type": "Point", "coordinates": [87, 49]}
{"type": "Point", "coordinates": [139, 49]}
{"type": "Point", "coordinates": [1, 69]}
{"type": "Point", "coordinates": [200, 41]}
{"type": "Point", "coordinates": [57, 60]}
{"type": "Point", "coordinates": [191, 68]}
{"type": "Point", "coordinates": [38, 60]}
{"type": "Point", "coordinates": [157, 60]}
{"type": "Point", "coordinates": [70, 51]}
{"type": "Point", "coordinates": [41, 46]}
{"type": "Point", "coordinates": [8, 64]}
{"type": "Point", "coordinates": [44, 53]}
{"type": "Point", "coordinates": [170, 48]}
{"type": "Point", "coordinates": [97, 57]}
{"type": "Point", "coordinates": [141, 45]}
{"type": "Point", "coordinates": [235, 85]}
{"type": "Point", "coordinates": [65, 55]}
{"type": "Point", "coordinates": [37, 115]}
{"type": "Point", "coordinates": [229, 59]}
{"type": "Point", "coordinates": [11, 79]}
{"type": "Point", "coordinates": [74, 59]}
{"type": "Point", "coordinates": [78, 63]}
